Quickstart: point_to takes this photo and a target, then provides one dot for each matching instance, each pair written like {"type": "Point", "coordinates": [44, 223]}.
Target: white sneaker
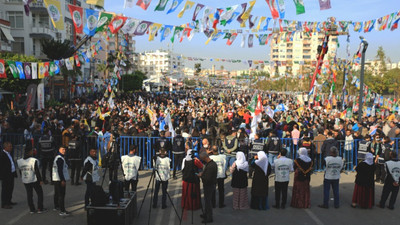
{"type": "Point", "coordinates": [64, 214]}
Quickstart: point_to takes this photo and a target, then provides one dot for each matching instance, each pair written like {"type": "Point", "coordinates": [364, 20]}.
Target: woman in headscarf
{"type": "Point", "coordinates": [301, 185]}
{"type": "Point", "coordinates": [259, 189]}
{"type": "Point", "coordinates": [364, 189]}
{"type": "Point", "coordinates": [190, 181]}
{"type": "Point", "coordinates": [239, 183]}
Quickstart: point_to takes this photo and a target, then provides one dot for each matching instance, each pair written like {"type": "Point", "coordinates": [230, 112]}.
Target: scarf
{"type": "Point", "coordinates": [241, 162]}
{"type": "Point", "coordinates": [187, 158]}
{"type": "Point", "coordinates": [369, 159]}
{"type": "Point", "coordinates": [262, 161]}
{"type": "Point", "coordinates": [303, 155]}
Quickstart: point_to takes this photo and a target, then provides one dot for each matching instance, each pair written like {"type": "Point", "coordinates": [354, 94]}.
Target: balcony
{"type": "Point", "coordinates": [4, 46]}
{"type": "Point", "coordinates": [38, 7]}
{"type": "Point", "coordinates": [42, 32]}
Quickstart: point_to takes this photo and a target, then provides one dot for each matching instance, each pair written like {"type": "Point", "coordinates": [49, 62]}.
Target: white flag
{"type": "Point", "coordinates": [129, 4]}
{"type": "Point", "coordinates": [34, 70]}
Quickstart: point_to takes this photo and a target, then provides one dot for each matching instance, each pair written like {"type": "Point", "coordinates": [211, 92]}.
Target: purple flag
{"type": "Point", "coordinates": [239, 19]}
{"type": "Point", "coordinates": [142, 28]}
{"type": "Point", "coordinates": [28, 71]}
{"type": "Point", "coordinates": [324, 4]}
{"type": "Point", "coordinates": [198, 8]}
{"type": "Point", "coordinates": [26, 6]}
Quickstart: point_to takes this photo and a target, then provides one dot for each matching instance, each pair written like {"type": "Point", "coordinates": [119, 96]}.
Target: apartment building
{"type": "Point", "coordinates": [299, 54]}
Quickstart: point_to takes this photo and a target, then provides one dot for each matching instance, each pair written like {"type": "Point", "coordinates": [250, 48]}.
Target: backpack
{"type": "Point", "coordinates": [98, 197]}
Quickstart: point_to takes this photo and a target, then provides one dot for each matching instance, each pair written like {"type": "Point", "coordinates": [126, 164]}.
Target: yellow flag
{"type": "Point", "coordinates": [153, 30]}
{"type": "Point", "coordinates": [260, 22]}
{"type": "Point", "coordinates": [212, 36]}
{"type": "Point", "coordinates": [246, 15]}
{"type": "Point", "coordinates": [96, 2]}
{"type": "Point", "coordinates": [188, 6]}
{"type": "Point", "coordinates": [54, 9]}
{"type": "Point", "coordinates": [42, 70]}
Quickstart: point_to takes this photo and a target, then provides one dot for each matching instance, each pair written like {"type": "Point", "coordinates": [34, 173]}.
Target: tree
{"type": "Point", "coordinates": [222, 68]}
{"type": "Point", "coordinates": [197, 68]}
{"type": "Point", "coordinates": [133, 82]}
{"type": "Point", "coordinates": [381, 56]}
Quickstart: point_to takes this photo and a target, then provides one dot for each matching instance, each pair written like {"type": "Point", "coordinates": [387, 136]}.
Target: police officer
{"type": "Point", "coordinates": [178, 148]}
{"type": "Point", "coordinates": [131, 164]}
{"type": "Point", "coordinates": [364, 147]}
{"type": "Point", "coordinates": [46, 151]}
{"type": "Point", "coordinates": [256, 145]}
{"type": "Point", "coordinates": [162, 142]}
{"type": "Point", "coordinates": [60, 175]}
{"type": "Point", "coordinates": [75, 158]}
{"type": "Point", "coordinates": [90, 174]}
{"type": "Point", "coordinates": [29, 169]}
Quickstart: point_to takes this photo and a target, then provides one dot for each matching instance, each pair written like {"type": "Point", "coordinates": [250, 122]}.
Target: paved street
{"type": "Point", "coordinates": [19, 215]}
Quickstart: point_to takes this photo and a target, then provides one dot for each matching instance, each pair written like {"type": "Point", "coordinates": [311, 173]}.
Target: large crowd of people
{"type": "Point", "coordinates": [208, 135]}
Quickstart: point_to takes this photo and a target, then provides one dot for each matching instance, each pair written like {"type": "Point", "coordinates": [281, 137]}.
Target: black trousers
{"type": "Point", "coordinates": [221, 193]}
{"type": "Point", "coordinates": [208, 192]}
{"type": "Point", "coordinates": [47, 163]}
{"type": "Point", "coordinates": [89, 190]}
{"type": "Point", "coordinates": [113, 173]}
{"type": "Point", "coordinates": [380, 172]}
{"type": "Point", "coordinates": [59, 196]}
{"type": "Point", "coordinates": [164, 185]}
{"type": "Point", "coordinates": [29, 192]}
{"type": "Point", "coordinates": [130, 183]}
{"type": "Point", "coordinates": [387, 189]}
{"type": "Point", "coordinates": [7, 188]}
{"type": "Point", "coordinates": [281, 188]}
{"type": "Point", "coordinates": [76, 166]}
{"type": "Point", "coordinates": [178, 158]}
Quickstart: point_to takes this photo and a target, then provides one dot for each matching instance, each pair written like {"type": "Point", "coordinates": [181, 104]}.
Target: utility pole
{"type": "Point", "coordinates": [360, 100]}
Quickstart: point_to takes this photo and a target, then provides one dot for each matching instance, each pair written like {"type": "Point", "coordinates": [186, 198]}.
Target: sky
{"type": "Point", "coordinates": [348, 10]}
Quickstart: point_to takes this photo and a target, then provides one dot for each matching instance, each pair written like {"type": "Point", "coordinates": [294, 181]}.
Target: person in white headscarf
{"type": "Point", "coordinates": [239, 170]}
{"type": "Point", "coordinates": [364, 188]}
{"type": "Point", "coordinates": [259, 189]}
{"type": "Point", "coordinates": [303, 167]}
{"type": "Point", "coordinates": [190, 181]}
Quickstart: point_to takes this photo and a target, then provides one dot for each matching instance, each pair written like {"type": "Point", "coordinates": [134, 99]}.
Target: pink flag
{"type": "Point", "coordinates": [273, 8]}
{"type": "Point", "coordinates": [324, 4]}
{"type": "Point", "coordinates": [144, 4]}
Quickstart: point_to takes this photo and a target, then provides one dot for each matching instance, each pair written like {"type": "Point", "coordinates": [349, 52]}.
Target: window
{"type": "Point", "coordinates": [16, 19]}
{"type": "Point", "coordinates": [44, 20]}
{"type": "Point", "coordinates": [306, 56]}
{"type": "Point", "coordinates": [18, 45]}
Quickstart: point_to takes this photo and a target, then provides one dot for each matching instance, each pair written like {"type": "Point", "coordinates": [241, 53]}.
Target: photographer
{"type": "Point", "coordinates": [130, 165]}
{"type": "Point", "coordinates": [162, 166]}
{"type": "Point", "coordinates": [112, 158]}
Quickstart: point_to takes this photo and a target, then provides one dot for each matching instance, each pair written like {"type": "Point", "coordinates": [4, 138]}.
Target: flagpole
{"type": "Point", "coordinates": [360, 100]}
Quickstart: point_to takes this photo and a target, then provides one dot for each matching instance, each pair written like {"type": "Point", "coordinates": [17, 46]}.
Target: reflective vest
{"type": "Point", "coordinates": [163, 168]}
{"type": "Point", "coordinates": [220, 160]}
{"type": "Point", "coordinates": [56, 176]}
{"type": "Point", "coordinates": [363, 149]}
{"type": "Point", "coordinates": [393, 168]}
{"type": "Point", "coordinates": [46, 144]}
{"type": "Point", "coordinates": [333, 167]}
{"type": "Point", "coordinates": [283, 166]}
{"type": "Point", "coordinates": [131, 165]}
{"type": "Point", "coordinates": [258, 145]}
{"type": "Point", "coordinates": [95, 169]}
{"type": "Point", "coordinates": [27, 167]}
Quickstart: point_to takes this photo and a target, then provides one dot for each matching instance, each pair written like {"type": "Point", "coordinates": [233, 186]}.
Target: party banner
{"type": "Point", "coordinates": [250, 40]}
{"type": "Point", "coordinates": [174, 6]}
{"type": "Point", "coordinates": [239, 18]}
{"type": "Point", "coordinates": [166, 32]}
{"type": "Point", "coordinates": [142, 28]}
{"type": "Point", "coordinates": [30, 97]}
{"type": "Point", "coordinates": [54, 10]}
{"type": "Point", "coordinates": [3, 69]}
{"type": "Point", "coordinates": [129, 4]}
{"type": "Point", "coordinates": [130, 26]}
{"type": "Point", "coordinates": [34, 70]}
{"type": "Point", "coordinates": [161, 5]}
{"type": "Point", "coordinates": [188, 6]}
{"type": "Point", "coordinates": [46, 69]}
{"type": "Point", "coordinates": [176, 31]}
{"type": "Point", "coordinates": [20, 69]}
{"type": "Point", "coordinates": [96, 2]}
{"type": "Point", "coordinates": [117, 23]}
{"type": "Point", "coordinates": [281, 8]}
{"type": "Point", "coordinates": [28, 70]}
{"type": "Point", "coordinates": [68, 64]}
{"type": "Point", "coordinates": [104, 20]}
{"type": "Point", "coordinates": [231, 39]}
{"type": "Point", "coordinates": [274, 8]}
{"type": "Point", "coordinates": [40, 96]}
{"type": "Point", "coordinates": [144, 4]}
{"type": "Point", "coordinates": [153, 30]}
{"type": "Point", "coordinates": [324, 4]}
{"type": "Point", "coordinates": [91, 22]}
{"type": "Point", "coordinates": [229, 13]}
{"type": "Point", "coordinates": [42, 70]}
{"type": "Point", "coordinates": [299, 7]}
{"type": "Point", "coordinates": [197, 10]}
{"type": "Point", "coordinates": [77, 17]}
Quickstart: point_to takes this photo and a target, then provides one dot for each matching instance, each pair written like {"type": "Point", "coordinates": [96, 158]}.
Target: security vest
{"type": "Point", "coordinates": [131, 165]}
{"type": "Point", "coordinates": [258, 145]}
{"type": "Point", "coordinates": [56, 176]}
{"type": "Point", "coordinates": [333, 167]}
{"type": "Point", "coordinates": [363, 149]}
{"type": "Point", "coordinates": [393, 168]}
{"type": "Point", "coordinates": [46, 144]}
{"type": "Point", "coordinates": [27, 167]}
{"type": "Point", "coordinates": [179, 145]}
{"type": "Point", "coordinates": [95, 169]}
{"type": "Point", "coordinates": [385, 154]}
{"type": "Point", "coordinates": [74, 150]}
{"type": "Point", "coordinates": [283, 166]}
{"type": "Point", "coordinates": [163, 168]}
{"type": "Point", "coordinates": [275, 148]}
{"type": "Point", "coordinates": [220, 160]}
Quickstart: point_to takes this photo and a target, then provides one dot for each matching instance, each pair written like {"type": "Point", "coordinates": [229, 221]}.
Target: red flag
{"type": "Point", "coordinates": [144, 4]}
{"type": "Point", "coordinates": [77, 17]}
{"type": "Point", "coordinates": [47, 67]}
{"type": "Point", "coordinates": [273, 8]}
{"type": "Point", "coordinates": [259, 107]}
{"type": "Point", "coordinates": [3, 69]}
{"type": "Point", "coordinates": [117, 23]}
{"type": "Point", "coordinates": [77, 62]}
{"type": "Point", "coordinates": [280, 25]}
{"type": "Point", "coordinates": [231, 39]}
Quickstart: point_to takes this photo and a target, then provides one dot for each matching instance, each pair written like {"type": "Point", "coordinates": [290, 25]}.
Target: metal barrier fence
{"type": "Point", "coordinates": [146, 150]}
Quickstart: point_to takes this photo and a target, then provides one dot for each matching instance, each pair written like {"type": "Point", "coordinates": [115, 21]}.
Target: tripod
{"type": "Point", "coordinates": [152, 182]}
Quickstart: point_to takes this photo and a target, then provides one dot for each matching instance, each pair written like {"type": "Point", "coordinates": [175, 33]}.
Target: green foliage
{"type": "Point", "coordinates": [133, 82]}
{"type": "Point", "coordinates": [381, 56]}
{"type": "Point", "coordinates": [53, 103]}
{"type": "Point", "coordinates": [12, 84]}
{"type": "Point", "coordinates": [189, 82]}
{"type": "Point", "coordinates": [197, 68]}
{"type": "Point", "coordinates": [56, 49]}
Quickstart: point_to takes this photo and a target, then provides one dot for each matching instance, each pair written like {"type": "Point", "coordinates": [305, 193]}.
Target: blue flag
{"type": "Point", "coordinates": [166, 32]}
{"type": "Point", "coordinates": [92, 17]}
{"type": "Point", "coordinates": [174, 6]}
{"type": "Point", "coordinates": [57, 63]}
{"type": "Point", "coordinates": [265, 28]}
{"type": "Point", "coordinates": [20, 69]}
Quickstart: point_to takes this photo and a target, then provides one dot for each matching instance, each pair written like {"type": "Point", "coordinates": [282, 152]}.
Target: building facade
{"type": "Point", "coordinates": [6, 39]}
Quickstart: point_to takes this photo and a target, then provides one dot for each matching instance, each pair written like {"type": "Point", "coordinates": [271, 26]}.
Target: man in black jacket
{"type": "Point", "coordinates": [7, 175]}
{"type": "Point", "coordinates": [75, 158]}
{"type": "Point", "coordinates": [327, 145]}
{"type": "Point", "coordinates": [162, 142]}
{"type": "Point", "coordinates": [209, 178]}
{"type": "Point", "coordinates": [178, 148]}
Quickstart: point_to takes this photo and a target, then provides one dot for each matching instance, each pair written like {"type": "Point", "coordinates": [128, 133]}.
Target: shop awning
{"type": "Point", "coordinates": [7, 33]}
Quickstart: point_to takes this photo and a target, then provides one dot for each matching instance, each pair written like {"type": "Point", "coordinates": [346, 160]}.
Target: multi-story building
{"type": "Point", "coordinates": [160, 64]}
{"type": "Point", "coordinates": [6, 39]}
{"type": "Point", "coordinates": [375, 67]}
{"type": "Point", "coordinates": [298, 55]}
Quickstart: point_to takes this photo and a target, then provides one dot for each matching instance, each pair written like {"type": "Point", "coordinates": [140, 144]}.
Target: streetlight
{"type": "Point", "coordinates": [360, 100]}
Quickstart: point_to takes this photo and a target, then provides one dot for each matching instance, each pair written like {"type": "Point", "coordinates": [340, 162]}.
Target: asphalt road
{"type": "Point", "coordinates": [19, 215]}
